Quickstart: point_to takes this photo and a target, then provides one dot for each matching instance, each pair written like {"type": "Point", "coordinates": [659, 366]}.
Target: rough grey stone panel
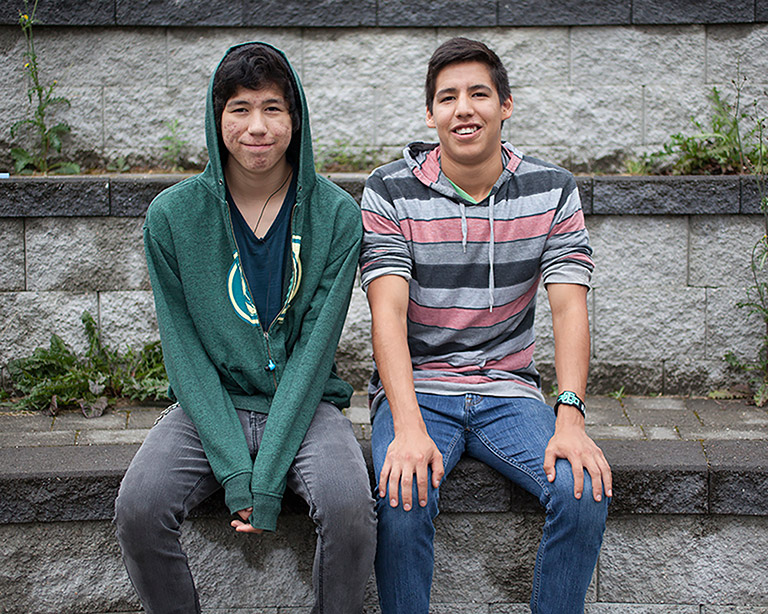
{"type": "Point", "coordinates": [730, 328]}
{"type": "Point", "coordinates": [751, 196]}
{"type": "Point", "coordinates": [321, 13]}
{"type": "Point", "coordinates": [668, 109]}
{"type": "Point", "coordinates": [85, 254]}
{"type": "Point", "coordinates": [720, 250]}
{"type": "Point", "coordinates": [640, 608]}
{"type": "Point", "coordinates": [585, 185]}
{"type": "Point", "coordinates": [60, 196]}
{"type": "Point", "coordinates": [731, 48]}
{"type": "Point", "coordinates": [638, 251]}
{"type": "Point", "coordinates": [563, 12]}
{"type": "Point", "coordinates": [692, 11]}
{"type": "Point", "coordinates": [324, 102]}
{"type": "Point", "coordinates": [637, 377]}
{"type": "Point", "coordinates": [657, 477]}
{"type": "Point", "coordinates": [354, 356]}
{"type": "Point", "coordinates": [761, 10]}
{"type": "Point", "coordinates": [639, 55]}
{"type": "Point", "coordinates": [127, 319]}
{"type": "Point", "coordinates": [62, 12]}
{"type": "Point", "coordinates": [632, 324]}
{"type": "Point", "coordinates": [665, 195]}
{"type": "Point", "coordinates": [738, 477]}
{"type": "Point", "coordinates": [485, 558]}
{"type": "Point", "coordinates": [422, 13]}
{"type": "Point", "coordinates": [732, 609]}
{"type": "Point", "coordinates": [179, 13]}
{"type": "Point", "coordinates": [397, 125]}
{"type": "Point", "coordinates": [688, 559]}
{"type": "Point", "coordinates": [11, 255]}
{"type": "Point", "coordinates": [63, 568]}
{"type": "Point", "coordinates": [351, 183]}
{"type": "Point", "coordinates": [474, 487]}
{"type": "Point", "coordinates": [33, 316]}
{"type": "Point", "coordinates": [131, 195]}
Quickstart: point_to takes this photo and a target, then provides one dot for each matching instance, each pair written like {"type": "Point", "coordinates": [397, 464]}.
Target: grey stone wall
{"type": "Point", "coordinates": [593, 82]}
{"type": "Point", "coordinates": [672, 260]}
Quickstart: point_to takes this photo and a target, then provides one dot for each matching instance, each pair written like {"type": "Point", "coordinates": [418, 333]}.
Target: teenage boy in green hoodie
{"type": "Point", "coordinates": [252, 264]}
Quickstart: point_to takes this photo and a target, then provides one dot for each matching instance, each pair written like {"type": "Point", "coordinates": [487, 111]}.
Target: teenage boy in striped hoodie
{"type": "Point", "coordinates": [458, 237]}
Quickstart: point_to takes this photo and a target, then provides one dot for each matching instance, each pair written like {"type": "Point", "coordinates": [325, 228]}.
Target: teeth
{"type": "Point", "coordinates": [466, 130]}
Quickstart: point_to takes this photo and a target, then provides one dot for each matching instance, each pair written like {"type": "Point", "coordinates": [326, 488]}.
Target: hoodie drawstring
{"type": "Point", "coordinates": [463, 226]}
{"type": "Point", "coordinates": [491, 280]}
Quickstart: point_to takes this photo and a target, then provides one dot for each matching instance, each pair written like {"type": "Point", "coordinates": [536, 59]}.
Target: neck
{"type": "Point", "coordinates": [247, 187]}
{"type": "Point", "coordinates": [475, 179]}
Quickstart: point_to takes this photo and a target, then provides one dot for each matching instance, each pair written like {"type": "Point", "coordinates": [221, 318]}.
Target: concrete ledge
{"type": "Point", "coordinates": [388, 13]}
{"type": "Point", "coordinates": [130, 195]}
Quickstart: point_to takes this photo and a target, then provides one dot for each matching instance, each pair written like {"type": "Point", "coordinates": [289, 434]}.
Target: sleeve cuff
{"type": "Point", "coordinates": [237, 492]}
{"type": "Point", "coordinates": [266, 509]}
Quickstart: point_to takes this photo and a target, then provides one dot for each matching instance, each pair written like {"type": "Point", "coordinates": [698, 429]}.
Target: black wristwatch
{"type": "Point", "coordinates": [572, 399]}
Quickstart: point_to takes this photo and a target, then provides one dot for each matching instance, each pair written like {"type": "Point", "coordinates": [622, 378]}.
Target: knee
{"type": "Point", "coordinates": [348, 510]}
{"type": "Point", "coordinates": [398, 521]}
{"type": "Point", "coordinates": [584, 513]}
{"type": "Point", "coordinates": [138, 513]}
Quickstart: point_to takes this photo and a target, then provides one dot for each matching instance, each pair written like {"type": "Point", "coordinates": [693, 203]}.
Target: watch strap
{"type": "Point", "coordinates": [570, 398]}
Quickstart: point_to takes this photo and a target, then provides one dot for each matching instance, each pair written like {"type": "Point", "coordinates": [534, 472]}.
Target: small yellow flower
{"type": "Point", "coordinates": [25, 17]}
{"type": "Point", "coordinates": [26, 65]}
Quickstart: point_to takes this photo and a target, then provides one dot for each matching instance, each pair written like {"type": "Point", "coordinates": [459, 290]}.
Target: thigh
{"type": "Point", "coordinates": [329, 468]}
{"type": "Point", "coordinates": [170, 470]}
{"type": "Point", "coordinates": [511, 435]}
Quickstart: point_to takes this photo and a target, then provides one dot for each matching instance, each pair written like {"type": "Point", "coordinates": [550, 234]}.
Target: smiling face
{"type": "Point", "coordinates": [467, 113]}
{"type": "Point", "coordinates": [256, 130]}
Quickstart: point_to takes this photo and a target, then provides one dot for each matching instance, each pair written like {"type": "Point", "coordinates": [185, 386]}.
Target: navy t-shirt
{"type": "Point", "coordinates": [263, 260]}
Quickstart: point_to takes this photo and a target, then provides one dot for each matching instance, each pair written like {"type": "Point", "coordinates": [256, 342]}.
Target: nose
{"type": "Point", "coordinates": [464, 105]}
{"type": "Point", "coordinates": [256, 123]}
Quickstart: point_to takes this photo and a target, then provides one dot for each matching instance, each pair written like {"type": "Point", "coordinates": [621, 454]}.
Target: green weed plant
{"type": "Point", "coordinates": [175, 147]}
{"type": "Point", "coordinates": [55, 377]}
{"type": "Point", "coordinates": [43, 102]}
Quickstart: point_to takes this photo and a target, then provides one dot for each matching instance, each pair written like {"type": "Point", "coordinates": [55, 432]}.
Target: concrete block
{"type": "Point", "coordinates": [594, 119]}
{"type": "Point", "coordinates": [637, 376]}
{"type": "Point", "coordinates": [60, 196]}
{"type": "Point", "coordinates": [62, 12]}
{"type": "Point", "coordinates": [688, 195]}
{"type": "Point", "coordinates": [685, 559]}
{"type": "Point", "coordinates": [12, 255]}
{"type": "Point", "coordinates": [751, 196]}
{"type": "Point", "coordinates": [127, 319]}
{"type": "Point", "coordinates": [661, 432]}
{"type": "Point", "coordinates": [75, 421]}
{"type": "Point", "coordinates": [632, 251]}
{"type": "Point", "coordinates": [692, 11]}
{"type": "Point", "coordinates": [58, 568]}
{"type": "Point", "coordinates": [85, 254]}
{"type": "Point", "coordinates": [639, 56]}
{"type": "Point", "coordinates": [761, 10]}
{"type": "Point", "coordinates": [632, 323]}
{"type": "Point", "coordinates": [742, 47]}
{"type": "Point", "coordinates": [532, 56]}
{"type": "Point", "coordinates": [33, 316]}
{"type": "Point", "coordinates": [352, 183]}
{"type": "Point", "coordinates": [84, 143]}
{"type": "Point", "coordinates": [98, 57]}
{"type": "Point", "coordinates": [720, 250]}
{"type": "Point", "coordinates": [668, 109]}
{"type": "Point", "coordinates": [586, 186]}
{"type": "Point", "coordinates": [30, 440]}
{"type": "Point", "coordinates": [657, 477]}
{"type": "Point", "coordinates": [323, 101]}
{"type": "Point", "coordinates": [402, 13]}
{"type": "Point", "coordinates": [738, 477]}
{"type": "Point", "coordinates": [178, 13]}
{"type": "Point", "coordinates": [563, 13]}
{"type": "Point", "coordinates": [295, 13]}
{"type": "Point", "coordinates": [730, 328]}
{"type": "Point", "coordinates": [130, 195]}
{"type": "Point", "coordinates": [728, 412]}
{"type": "Point", "coordinates": [473, 487]}
{"type": "Point", "coordinates": [398, 125]}
{"type": "Point", "coordinates": [354, 356]}
{"type": "Point", "coordinates": [732, 609]}
{"type": "Point", "coordinates": [640, 608]}
{"type": "Point", "coordinates": [26, 423]}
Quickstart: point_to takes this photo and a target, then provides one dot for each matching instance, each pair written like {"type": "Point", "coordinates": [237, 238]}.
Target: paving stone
{"type": "Point", "coordinates": [720, 249]}
{"type": "Point", "coordinates": [404, 13]}
{"type": "Point", "coordinates": [724, 433]}
{"type": "Point", "coordinates": [131, 195]}
{"type": "Point", "coordinates": [692, 11]}
{"type": "Point", "coordinates": [684, 559]}
{"type": "Point", "coordinates": [664, 195]}
{"type": "Point", "coordinates": [654, 403]}
{"type": "Point", "coordinates": [738, 477]}
{"type": "Point", "coordinates": [173, 13]}
{"type": "Point", "coordinates": [657, 477]}
{"type": "Point", "coordinates": [733, 609]}
{"type": "Point", "coordinates": [60, 196]}
{"type": "Point", "coordinates": [358, 415]}
{"type": "Point", "coordinates": [112, 437]}
{"type": "Point", "coordinates": [615, 432]}
{"type": "Point", "coordinates": [661, 432]}
{"type": "Point", "coordinates": [640, 608]}
{"type": "Point", "coordinates": [36, 439]}
{"type": "Point", "coordinates": [563, 12]}
{"type": "Point", "coordinates": [605, 415]}
{"type": "Point", "coordinates": [662, 417]}
{"type": "Point", "coordinates": [142, 418]}
{"type": "Point", "coordinates": [27, 422]}
{"type": "Point", "coordinates": [71, 421]}
{"type": "Point", "coordinates": [293, 13]}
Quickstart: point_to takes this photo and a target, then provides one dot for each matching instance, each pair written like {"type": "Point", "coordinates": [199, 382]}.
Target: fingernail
{"type": "Point", "coordinates": [609, 493]}
{"type": "Point", "coordinates": [406, 506]}
{"type": "Point", "coordinates": [578, 495]}
{"type": "Point", "coordinates": [423, 503]}
{"type": "Point", "coordinates": [598, 498]}
{"type": "Point", "coordinates": [393, 502]}
{"type": "Point", "coordinates": [550, 477]}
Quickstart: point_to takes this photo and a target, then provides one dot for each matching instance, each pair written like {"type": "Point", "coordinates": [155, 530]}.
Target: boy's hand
{"type": "Point", "coordinates": [243, 526]}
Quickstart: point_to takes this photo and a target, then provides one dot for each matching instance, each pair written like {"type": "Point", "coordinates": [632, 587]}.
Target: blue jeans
{"type": "Point", "coordinates": [510, 435]}
{"type": "Point", "coordinates": [170, 475]}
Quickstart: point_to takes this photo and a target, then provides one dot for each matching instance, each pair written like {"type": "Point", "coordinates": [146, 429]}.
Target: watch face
{"type": "Point", "coordinates": [569, 398]}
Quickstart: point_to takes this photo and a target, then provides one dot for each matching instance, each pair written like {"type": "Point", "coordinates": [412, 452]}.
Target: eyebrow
{"type": "Point", "coordinates": [268, 101]}
{"type": "Point", "coordinates": [471, 88]}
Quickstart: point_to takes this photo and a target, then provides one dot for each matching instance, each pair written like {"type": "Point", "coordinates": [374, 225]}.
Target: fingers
{"type": "Point", "coordinates": [578, 477]}
{"type": "Point", "coordinates": [549, 463]}
{"type": "Point", "coordinates": [438, 471]}
{"type": "Point", "coordinates": [422, 484]}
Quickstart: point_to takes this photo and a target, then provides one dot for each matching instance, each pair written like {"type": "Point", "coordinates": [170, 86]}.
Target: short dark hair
{"type": "Point", "coordinates": [254, 66]}
{"type": "Point", "coordinates": [459, 50]}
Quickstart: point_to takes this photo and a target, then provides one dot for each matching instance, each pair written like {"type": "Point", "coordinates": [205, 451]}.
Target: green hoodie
{"type": "Point", "coordinates": [218, 355]}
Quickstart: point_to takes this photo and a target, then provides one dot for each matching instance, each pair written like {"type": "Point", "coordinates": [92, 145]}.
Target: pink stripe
{"type": "Point", "coordinates": [430, 170]}
{"type": "Point", "coordinates": [466, 379]}
{"type": "Point", "coordinates": [573, 223]}
{"type": "Point", "coordinates": [581, 257]}
{"type": "Point", "coordinates": [478, 230]}
{"type": "Point", "coordinates": [513, 362]}
{"type": "Point", "coordinates": [460, 319]}
{"type": "Point", "coordinates": [374, 222]}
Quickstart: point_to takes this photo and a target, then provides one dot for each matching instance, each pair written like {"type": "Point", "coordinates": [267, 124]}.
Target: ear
{"type": "Point", "coordinates": [430, 120]}
{"type": "Point", "coordinates": [506, 107]}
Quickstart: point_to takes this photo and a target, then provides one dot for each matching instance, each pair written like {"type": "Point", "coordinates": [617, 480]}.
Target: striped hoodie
{"type": "Point", "coordinates": [473, 269]}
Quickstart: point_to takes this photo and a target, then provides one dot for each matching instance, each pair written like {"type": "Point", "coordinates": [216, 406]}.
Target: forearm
{"type": "Point", "coordinates": [570, 323]}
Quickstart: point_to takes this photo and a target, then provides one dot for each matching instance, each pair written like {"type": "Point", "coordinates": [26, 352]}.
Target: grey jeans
{"type": "Point", "coordinates": [170, 475]}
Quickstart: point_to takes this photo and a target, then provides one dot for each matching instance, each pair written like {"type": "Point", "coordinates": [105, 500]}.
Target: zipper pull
{"type": "Point", "coordinates": [271, 366]}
